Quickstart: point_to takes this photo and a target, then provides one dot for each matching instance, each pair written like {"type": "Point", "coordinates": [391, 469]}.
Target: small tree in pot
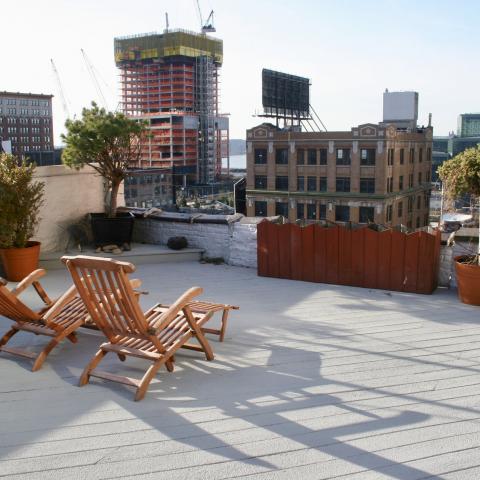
{"type": "Point", "coordinates": [460, 176]}
{"type": "Point", "coordinates": [20, 200]}
{"type": "Point", "coordinates": [110, 143]}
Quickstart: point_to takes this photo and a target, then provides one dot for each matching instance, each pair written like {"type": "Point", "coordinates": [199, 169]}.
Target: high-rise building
{"type": "Point", "coordinates": [171, 80]}
{"type": "Point", "coordinates": [26, 122]}
{"type": "Point", "coordinates": [468, 125]}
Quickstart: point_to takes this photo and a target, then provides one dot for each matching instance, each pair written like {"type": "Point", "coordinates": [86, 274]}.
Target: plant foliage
{"type": "Point", "coordinates": [109, 142]}
{"type": "Point", "coordinates": [461, 174]}
{"type": "Point", "coordinates": [20, 201]}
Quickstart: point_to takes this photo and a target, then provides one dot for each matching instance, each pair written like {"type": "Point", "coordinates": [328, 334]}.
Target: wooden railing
{"type": "Point", "coordinates": [361, 257]}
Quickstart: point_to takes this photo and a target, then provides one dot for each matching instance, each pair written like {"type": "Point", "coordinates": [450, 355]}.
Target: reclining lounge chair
{"type": "Point", "coordinates": [154, 335]}
{"type": "Point", "coordinates": [57, 319]}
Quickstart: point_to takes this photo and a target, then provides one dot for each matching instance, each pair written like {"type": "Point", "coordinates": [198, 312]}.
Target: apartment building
{"type": "Point", "coordinates": [26, 121]}
{"type": "Point", "coordinates": [374, 173]}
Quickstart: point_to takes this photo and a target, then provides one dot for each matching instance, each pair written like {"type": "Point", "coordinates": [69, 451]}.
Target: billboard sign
{"type": "Point", "coordinates": [285, 95]}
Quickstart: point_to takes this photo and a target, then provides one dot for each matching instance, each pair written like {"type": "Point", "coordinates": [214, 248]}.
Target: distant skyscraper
{"type": "Point", "coordinates": [468, 125]}
{"type": "Point", "coordinates": [171, 80]}
{"type": "Point", "coordinates": [26, 121]}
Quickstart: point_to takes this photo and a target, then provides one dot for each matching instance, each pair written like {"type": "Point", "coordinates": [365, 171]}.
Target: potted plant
{"type": "Point", "coordinates": [461, 175]}
{"type": "Point", "coordinates": [110, 143]}
{"type": "Point", "coordinates": [20, 201]}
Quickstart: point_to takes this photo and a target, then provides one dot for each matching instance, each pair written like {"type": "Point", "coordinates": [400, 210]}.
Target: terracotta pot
{"type": "Point", "coordinates": [468, 281]}
{"type": "Point", "coordinates": [19, 262]}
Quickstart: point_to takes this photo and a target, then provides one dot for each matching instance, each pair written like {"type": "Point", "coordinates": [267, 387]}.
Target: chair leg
{"type": "Point", "coordinates": [205, 345]}
{"type": "Point", "coordinates": [73, 337]}
{"type": "Point", "coordinates": [4, 340]}
{"type": "Point", "coordinates": [85, 377]}
{"type": "Point", "coordinates": [147, 378]}
{"type": "Point", "coordinates": [223, 328]}
{"type": "Point", "coordinates": [37, 364]}
{"type": "Point", "coordinates": [170, 365]}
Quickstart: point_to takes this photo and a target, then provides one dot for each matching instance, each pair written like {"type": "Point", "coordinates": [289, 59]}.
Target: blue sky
{"type": "Point", "coordinates": [350, 50]}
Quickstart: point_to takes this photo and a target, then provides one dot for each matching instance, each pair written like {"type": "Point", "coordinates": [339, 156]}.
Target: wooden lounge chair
{"type": "Point", "coordinates": [155, 335]}
{"type": "Point", "coordinates": [58, 319]}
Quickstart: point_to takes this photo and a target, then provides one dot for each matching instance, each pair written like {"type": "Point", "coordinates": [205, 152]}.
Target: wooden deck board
{"type": "Point", "coordinates": [312, 381]}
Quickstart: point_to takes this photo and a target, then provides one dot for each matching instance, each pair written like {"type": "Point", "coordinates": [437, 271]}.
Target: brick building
{"type": "Point", "coordinates": [375, 172]}
{"type": "Point", "coordinates": [26, 120]}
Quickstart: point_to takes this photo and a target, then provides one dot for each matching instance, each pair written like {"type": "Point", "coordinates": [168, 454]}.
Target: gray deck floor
{"type": "Point", "coordinates": [313, 381]}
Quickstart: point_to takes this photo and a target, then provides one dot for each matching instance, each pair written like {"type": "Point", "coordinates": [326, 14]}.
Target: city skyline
{"type": "Point", "coordinates": [338, 46]}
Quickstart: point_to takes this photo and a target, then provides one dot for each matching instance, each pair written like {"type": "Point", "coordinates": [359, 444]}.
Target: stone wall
{"type": "Point", "coordinates": [232, 238]}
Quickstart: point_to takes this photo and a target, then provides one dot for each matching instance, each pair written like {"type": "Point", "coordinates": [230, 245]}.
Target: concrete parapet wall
{"type": "Point", "coordinates": [69, 196]}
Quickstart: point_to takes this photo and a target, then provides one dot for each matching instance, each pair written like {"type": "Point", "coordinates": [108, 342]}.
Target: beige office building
{"type": "Point", "coordinates": [374, 173]}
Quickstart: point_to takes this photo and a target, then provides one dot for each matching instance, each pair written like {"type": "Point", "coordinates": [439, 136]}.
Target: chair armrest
{"type": "Point", "coordinates": [174, 309]}
{"type": "Point", "coordinates": [32, 280]}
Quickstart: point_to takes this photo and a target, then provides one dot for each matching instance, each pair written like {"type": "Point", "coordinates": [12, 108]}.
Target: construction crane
{"type": "Point", "coordinates": [208, 25]}
{"type": "Point", "coordinates": [93, 76]}
{"type": "Point", "coordinates": [60, 89]}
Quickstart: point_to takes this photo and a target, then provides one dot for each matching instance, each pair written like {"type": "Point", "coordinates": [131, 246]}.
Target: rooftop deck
{"type": "Point", "coordinates": [313, 381]}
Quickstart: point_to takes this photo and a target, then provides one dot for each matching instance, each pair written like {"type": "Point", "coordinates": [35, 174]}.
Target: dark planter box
{"type": "Point", "coordinates": [108, 231]}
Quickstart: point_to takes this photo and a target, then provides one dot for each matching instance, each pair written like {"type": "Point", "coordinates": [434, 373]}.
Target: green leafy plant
{"type": "Point", "coordinates": [109, 142]}
{"type": "Point", "coordinates": [461, 175]}
{"type": "Point", "coordinates": [20, 200]}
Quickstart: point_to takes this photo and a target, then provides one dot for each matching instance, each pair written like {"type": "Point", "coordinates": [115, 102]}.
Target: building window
{"type": "Point", "coordinates": [260, 156]}
{"type": "Point", "coordinates": [419, 178]}
{"type": "Point", "coordinates": [281, 208]}
{"type": "Point", "coordinates": [343, 156]}
{"type": "Point", "coordinates": [400, 210]}
{"type": "Point", "coordinates": [260, 209]}
{"type": "Point", "coordinates": [410, 205]}
{"type": "Point", "coordinates": [343, 184]}
{"type": "Point", "coordinates": [418, 222]}
{"type": "Point", "coordinates": [410, 180]}
{"type": "Point", "coordinates": [311, 211]}
{"type": "Point", "coordinates": [342, 213]}
{"type": "Point", "coordinates": [323, 156]}
{"type": "Point", "coordinates": [367, 156]}
{"type": "Point", "coordinates": [367, 185]}
{"type": "Point", "coordinates": [312, 184]}
{"type": "Point", "coordinates": [281, 156]}
{"type": "Point", "coordinates": [390, 156]}
{"type": "Point", "coordinates": [389, 213]}
{"type": "Point", "coordinates": [322, 212]}
{"type": "Point", "coordinates": [419, 202]}
{"type": "Point", "coordinates": [281, 183]}
{"type": "Point", "coordinates": [366, 214]}
{"type": "Point", "coordinates": [260, 182]}
{"type": "Point", "coordinates": [402, 156]}
{"type": "Point", "coordinates": [420, 156]}
{"type": "Point", "coordinates": [300, 210]}
{"type": "Point", "coordinates": [312, 156]}
{"type": "Point", "coordinates": [400, 182]}
{"type": "Point", "coordinates": [389, 184]}
{"type": "Point", "coordinates": [412, 155]}
{"type": "Point", "coordinates": [300, 184]}
{"type": "Point", "coordinates": [323, 184]}
{"type": "Point", "coordinates": [300, 157]}
{"type": "Point", "coordinates": [429, 154]}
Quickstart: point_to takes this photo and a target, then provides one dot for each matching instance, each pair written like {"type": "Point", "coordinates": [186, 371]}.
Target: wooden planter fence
{"type": "Point", "coordinates": [388, 260]}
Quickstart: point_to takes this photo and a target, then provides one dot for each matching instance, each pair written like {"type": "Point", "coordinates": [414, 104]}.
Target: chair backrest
{"type": "Point", "coordinates": [105, 289]}
{"type": "Point", "coordinates": [13, 308]}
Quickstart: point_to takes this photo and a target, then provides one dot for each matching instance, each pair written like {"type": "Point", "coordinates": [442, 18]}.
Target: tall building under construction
{"type": "Point", "coordinates": [171, 80]}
